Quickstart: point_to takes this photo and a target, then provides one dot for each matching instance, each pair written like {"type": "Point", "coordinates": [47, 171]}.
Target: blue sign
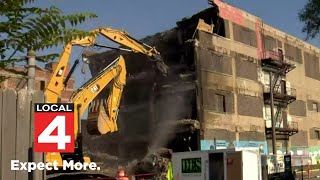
{"type": "Point", "coordinates": [223, 144]}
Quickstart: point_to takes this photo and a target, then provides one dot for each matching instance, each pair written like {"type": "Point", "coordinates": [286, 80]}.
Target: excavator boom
{"type": "Point", "coordinates": [122, 37]}
{"type": "Point", "coordinates": [56, 85]}
{"type": "Point", "coordinates": [116, 71]}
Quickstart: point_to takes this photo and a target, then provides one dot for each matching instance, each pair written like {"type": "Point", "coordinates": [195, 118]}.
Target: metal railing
{"type": "Point", "coordinates": [274, 55]}
{"type": "Point", "coordinates": [292, 125]}
{"type": "Point", "coordinates": [289, 91]}
{"type": "Point", "coordinates": [281, 124]}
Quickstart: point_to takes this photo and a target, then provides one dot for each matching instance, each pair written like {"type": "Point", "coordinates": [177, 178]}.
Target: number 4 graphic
{"type": "Point", "coordinates": [61, 139]}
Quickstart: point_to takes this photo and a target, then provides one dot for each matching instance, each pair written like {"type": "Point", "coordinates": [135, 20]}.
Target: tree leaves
{"type": "Point", "coordinates": [23, 28]}
{"type": "Point", "coordinates": [310, 16]}
{"type": "Point", "coordinates": [47, 58]}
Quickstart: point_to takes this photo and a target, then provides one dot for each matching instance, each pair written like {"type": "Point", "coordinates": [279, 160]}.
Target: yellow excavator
{"type": "Point", "coordinates": [116, 71]}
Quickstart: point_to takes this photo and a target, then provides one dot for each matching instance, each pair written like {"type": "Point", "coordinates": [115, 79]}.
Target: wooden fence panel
{"type": "Point", "coordinates": [8, 136]}
{"type": "Point", "coordinates": [16, 133]}
{"type": "Point", "coordinates": [0, 133]}
{"type": "Point", "coordinates": [23, 130]}
{"type": "Point", "coordinates": [38, 97]}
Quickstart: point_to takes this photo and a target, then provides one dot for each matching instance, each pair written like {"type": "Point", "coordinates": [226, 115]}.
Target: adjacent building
{"type": "Point", "coordinates": [18, 81]}
{"type": "Point", "coordinates": [221, 73]}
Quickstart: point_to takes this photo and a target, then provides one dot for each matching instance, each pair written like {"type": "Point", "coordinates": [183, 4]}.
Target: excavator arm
{"type": "Point", "coordinates": [123, 38]}
{"type": "Point", "coordinates": [56, 85]}
{"type": "Point", "coordinates": [115, 72]}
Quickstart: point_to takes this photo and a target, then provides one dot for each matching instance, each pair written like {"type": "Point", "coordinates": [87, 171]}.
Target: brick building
{"type": "Point", "coordinates": [42, 77]}
{"type": "Point", "coordinates": [222, 79]}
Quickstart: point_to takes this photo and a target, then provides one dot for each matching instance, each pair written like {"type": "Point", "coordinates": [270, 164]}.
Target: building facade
{"type": "Point", "coordinates": [222, 78]}
{"type": "Point", "coordinates": [234, 81]}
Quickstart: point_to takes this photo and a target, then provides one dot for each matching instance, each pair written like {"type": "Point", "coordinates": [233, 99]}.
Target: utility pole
{"type": "Point", "coordinates": [35, 157]}
{"type": "Point", "coordinates": [31, 69]}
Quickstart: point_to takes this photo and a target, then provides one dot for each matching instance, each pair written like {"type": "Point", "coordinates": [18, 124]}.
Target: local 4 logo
{"type": "Point", "coordinates": [53, 127]}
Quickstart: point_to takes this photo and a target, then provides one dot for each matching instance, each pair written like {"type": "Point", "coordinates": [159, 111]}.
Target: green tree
{"type": "Point", "coordinates": [24, 27]}
{"type": "Point", "coordinates": [310, 16]}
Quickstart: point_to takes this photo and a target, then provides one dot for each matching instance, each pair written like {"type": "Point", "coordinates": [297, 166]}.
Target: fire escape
{"type": "Point", "coordinates": [278, 96]}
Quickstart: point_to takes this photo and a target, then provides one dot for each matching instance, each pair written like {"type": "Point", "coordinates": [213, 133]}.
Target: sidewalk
{"type": "Point", "coordinates": [314, 174]}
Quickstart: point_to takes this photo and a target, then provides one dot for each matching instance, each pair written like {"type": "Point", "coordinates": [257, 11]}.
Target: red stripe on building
{"type": "Point", "coordinates": [230, 13]}
{"type": "Point", "coordinates": [259, 37]}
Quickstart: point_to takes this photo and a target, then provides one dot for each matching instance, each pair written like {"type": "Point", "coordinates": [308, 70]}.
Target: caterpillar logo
{"type": "Point", "coordinates": [95, 88]}
{"type": "Point", "coordinates": [60, 71]}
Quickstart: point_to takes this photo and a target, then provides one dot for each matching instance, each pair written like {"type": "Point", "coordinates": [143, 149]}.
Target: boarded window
{"type": "Point", "coordinates": [244, 35]}
{"type": "Point", "coordinates": [311, 63]}
{"type": "Point", "coordinates": [300, 139]}
{"type": "Point", "coordinates": [214, 62]}
{"type": "Point", "coordinates": [255, 108]}
{"type": "Point", "coordinates": [298, 108]}
{"type": "Point", "coordinates": [293, 52]}
{"type": "Point", "coordinates": [245, 68]}
{"type": "Point", "coordinates": [219, 101]}
{"type": "Point", "coordinates": [269, 43]}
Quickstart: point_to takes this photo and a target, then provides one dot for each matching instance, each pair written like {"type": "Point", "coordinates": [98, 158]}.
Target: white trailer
{"type": "Point", "coordinates": [224, 164]}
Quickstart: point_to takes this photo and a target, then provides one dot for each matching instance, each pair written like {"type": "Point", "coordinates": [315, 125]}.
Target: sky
{"type": "Point", "coordinates": [146, 17]}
